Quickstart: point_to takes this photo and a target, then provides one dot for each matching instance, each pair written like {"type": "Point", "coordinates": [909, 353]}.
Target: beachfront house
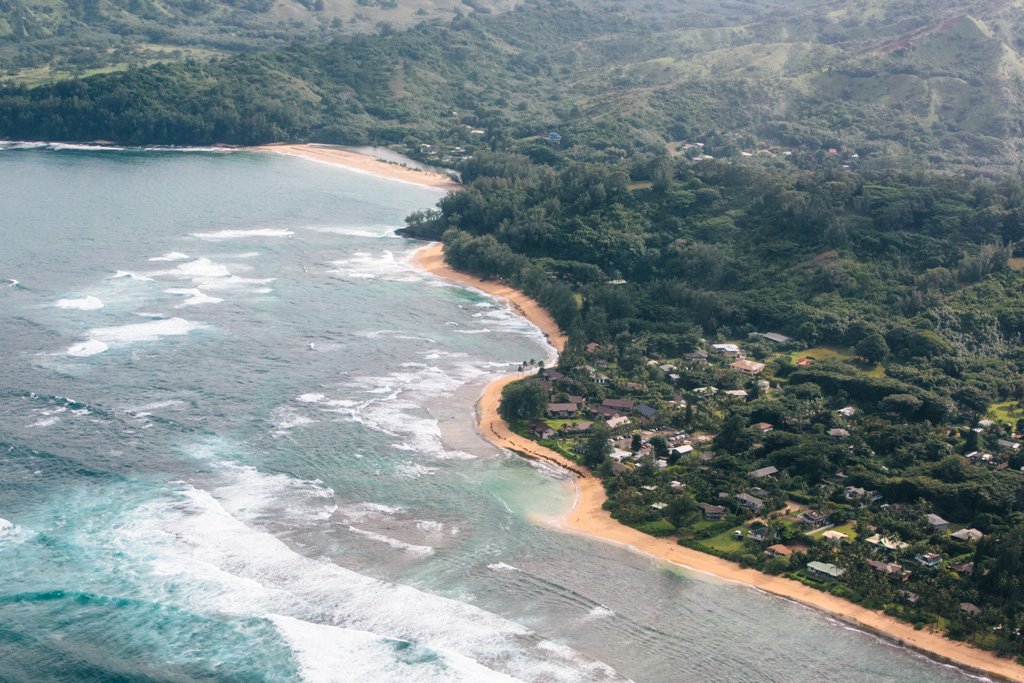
{"type": "Point", "coordinates": [542, 430]}
{"type": "Point", "coordinates": [824, 570]}
{"type": "Point", "coordinates": [778, 550]}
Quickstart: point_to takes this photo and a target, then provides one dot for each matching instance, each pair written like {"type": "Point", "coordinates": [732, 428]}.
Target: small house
{"type": "Point", "coordinates": [541, 430]}
{"type": "Point", "coordinates": [750, 502]}
{"type": "Point", "coordinates": [619, 421]}
{"type": "Point", "coordinates": [760, 534]}
{"type": "Point", "coordinates": [929, 559]}
{"type": "Point", "coordinates": [936, 523]}
{"type": "Point", "coordinates": [646, 411]}
{"type": "Point", "coordinates": [814, 519]}
{"type": "Point", "coordinates": [727, 350]}
{"type": "Point", "coordinates": [838, 433]}
{"type": "Point", "coordinates": [764, 427]}
{"type": "Point", "coordinates": [963, 567]}
{"type": "Point", "coordinates": [764, 472]}
{"type": "Point", "coordinates": [712, 512]}
{"type": "Point", "coordinates": [970, 609]}
{"type": "Point", "coordinates": [737, 393]}
{"type": "Point", "coordinates": [618, 403]}
{"type": "Point", "coordinates": [834, 537]}
{"type": "Point", "coordinates": [888, 543]}
{"type": "Point", "coordinates": [561, 409]}
{"type": "Point", "coordinates": [891, 569]}
{"type": "Point", "coordinates": [778, 550]}
{"type": "Point", "coordinates": [854, 493]}
{"type": "Point", "coordinates": [581, 427]}
{"type": "Point", "coordinates": [970, 535]}
{"type": "Point", "coordinates": [748, 367]}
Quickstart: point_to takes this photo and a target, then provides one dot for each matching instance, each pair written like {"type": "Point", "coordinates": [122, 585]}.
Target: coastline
{"type": "Point", "coordinates": [363, 163]}
{"type": "Point", "coordinates": [588, 518]}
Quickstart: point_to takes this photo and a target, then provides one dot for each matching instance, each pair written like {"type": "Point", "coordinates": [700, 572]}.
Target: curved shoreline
{"type": "Point", "coordinates": [588, 518]}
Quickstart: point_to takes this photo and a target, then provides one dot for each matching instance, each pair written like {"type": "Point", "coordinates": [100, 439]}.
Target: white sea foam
{"type": "Point", "coordinates": [360, 512]}
{"type": "Point", "coordinates": [46, 421]}
{"type": "Point", "coordinates": [141, 332]}
{"type": "Point", "coordinates": [171, 256]}
{"type": "Point", "coordinates": [430, 526]}
{"type": "Point", "coordinates": [243, 255]}
{"type": "Point", "coordinates": [310, 398]}
{"type": "Point", "coordinates": [349, 232]}
{"type": "Point", "coordinates": [286, 418]}
{"type": "Point", "coordinates": [332, 654]}
{"type": "Point", "coordinates": [129, 275]}
{"type": "Point", "coordinates": [216, 562]}
{"type": "Point", "coordinates": [481, 331]}
{"type": "Point", "coordinates": [210, 275]}
{"type": "Point", "coordinates": [220, 235]}
{"type": "Point", "coordinates": [85, 303]}
{"type": "Point", "coordinates": [599, 612]}
{"type": "Point", "coordinates": [414, 470]}
{"type": "Point", "coordinates": [502, 567]}
{"type": "Point", "coordinates": [412, 549]}
{"type": "Point", "coordinates": [11, 282]}
{"type": "Point", "coordinates": [194, 297]}
{"type": "Point", "coordinates": [87, 348]}
{"type": "Point", "coordinates": [362, 265]}
{"type": "Point", "coordinates": [155, 405]}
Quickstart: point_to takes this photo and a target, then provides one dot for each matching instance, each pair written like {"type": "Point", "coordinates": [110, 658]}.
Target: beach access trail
{"type": "Point", "coordinates": [587, 516]}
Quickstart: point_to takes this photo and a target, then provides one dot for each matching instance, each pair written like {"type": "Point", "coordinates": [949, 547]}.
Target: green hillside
{"type": "Point", "coordinates": [882, 83]}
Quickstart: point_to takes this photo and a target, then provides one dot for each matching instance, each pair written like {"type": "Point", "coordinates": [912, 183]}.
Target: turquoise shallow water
{"type": "Point", "coordinates": [236, 445]}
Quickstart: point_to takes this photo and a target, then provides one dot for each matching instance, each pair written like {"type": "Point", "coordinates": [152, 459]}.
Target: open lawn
{"type": "Point", "coordinates": [725, 542]}
{"type": "Point", "coordinates": [1007, 412]}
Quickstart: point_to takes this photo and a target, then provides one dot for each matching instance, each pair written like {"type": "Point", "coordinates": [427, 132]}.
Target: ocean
{"type": "Point", "coordinates": [237, 444]}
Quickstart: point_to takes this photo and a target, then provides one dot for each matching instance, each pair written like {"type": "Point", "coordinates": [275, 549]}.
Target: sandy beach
{"type": "Point", "coordinates": [364, 163]}
{"type": "Point", "coordinates": [588, 518]}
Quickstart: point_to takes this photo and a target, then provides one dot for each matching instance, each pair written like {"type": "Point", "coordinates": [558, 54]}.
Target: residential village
{"type": "Point", "coordinates": [736, 451]}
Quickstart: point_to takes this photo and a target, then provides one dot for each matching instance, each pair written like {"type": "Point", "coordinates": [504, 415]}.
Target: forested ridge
{"type": "Point", "coordinates": [874, 85]}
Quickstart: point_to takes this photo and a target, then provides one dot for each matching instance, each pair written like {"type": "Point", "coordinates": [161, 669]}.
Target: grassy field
{"type": "Point", "coordinates": [1007, 412]}
{"type": "Point", "coordinates": [725, 541]}
{"type": "Point", "coordinates": [839, 353]}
